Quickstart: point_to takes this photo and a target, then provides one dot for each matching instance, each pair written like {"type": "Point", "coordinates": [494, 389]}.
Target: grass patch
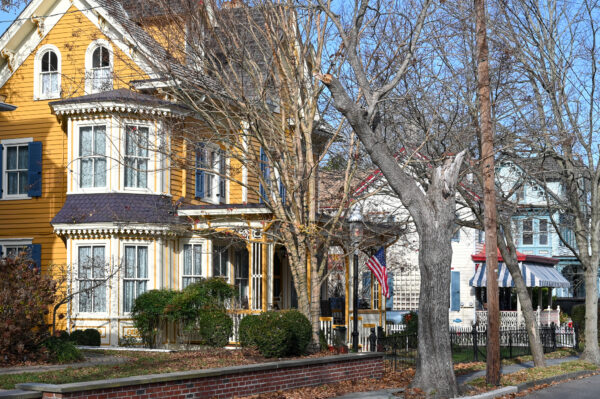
{"type": "Point", "coordinates": [537, 373]}
{"type": "Point", "coordinates": [465, 354]}
{"type": "Point", "coordinates": [139, 363]}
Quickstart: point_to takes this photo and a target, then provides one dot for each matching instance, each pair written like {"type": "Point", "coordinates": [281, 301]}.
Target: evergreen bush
{"type": "Point", "coordinates": [277, 333]}
{"type": "Point", "coordinates": [301, 331]}
{"type": "Point", "coordinates": [148, 314]}
{"type": "Point", "coordinates": [246, 330]}
{"type": "Point", "coordinates": [214, 327]}
{"type": "Point", "coordinates": [61, 350]}
{"type": "Point", "coordinates": [87, 337]}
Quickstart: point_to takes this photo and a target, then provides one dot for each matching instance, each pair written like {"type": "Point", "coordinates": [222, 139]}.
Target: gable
{"type": "Point", "coordinates": [29, 30]}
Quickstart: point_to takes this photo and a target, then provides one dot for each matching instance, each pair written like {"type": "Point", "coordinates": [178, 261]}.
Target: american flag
{"type": "Point", "coordinates": [377, 265]}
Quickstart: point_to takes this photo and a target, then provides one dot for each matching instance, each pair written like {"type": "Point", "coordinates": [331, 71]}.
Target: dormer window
{"type": "Point", "coordinates": [47, 73]}
{"type": "Point", "coordinates": [99, 67]}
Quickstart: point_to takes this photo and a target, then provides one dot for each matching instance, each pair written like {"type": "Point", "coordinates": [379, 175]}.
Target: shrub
{"type": "Point", "coordinates": [64, 335]}
{"type": "Point", "coordinates": [62, 351]}
{"type": "Point", "coordinates": [87, 337]}
{"type": "Point", "coordinates": [25, 297]}
{"type": "Point", "coordinates": [214, 327]}
{"type": "Point", "coordinates": [246, 330]}
{"type": "Point", "coordinates": [278, 333]}
{"type": "Point", "coordinates": [148, 314]}
{"type": "Point", "coordinates": [209, 293]}
{"type": "Point", "coordinates": [578, 316]}
{"type": "Point", "coordinates": [301, 331]}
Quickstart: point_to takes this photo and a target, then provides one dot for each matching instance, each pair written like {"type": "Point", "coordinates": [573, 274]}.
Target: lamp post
{"type": "Point", "coordinates": [356, 230]}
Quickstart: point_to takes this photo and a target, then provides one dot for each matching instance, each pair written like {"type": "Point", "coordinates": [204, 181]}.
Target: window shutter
{"type": "Point", "coordinates": [455, 292]}
{"type": "Point", "coordinates": [34, 175]}
{"type": "Point", "coordinates": [35, 251]}
{"type": "Point", "coordinates": [1, 173]}
{"type": "Point", "coordinates": [200, 173]}
{"type": "Point", "coordinates": [265, 172]}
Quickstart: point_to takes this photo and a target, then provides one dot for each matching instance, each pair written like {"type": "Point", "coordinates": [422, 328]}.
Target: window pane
{"type": "Point", "coordinates": [23, 157]}
{"type": "Point", "coordinates": [85, 296]}
{"type": "Point", "coordinates": [99, 262]}
{"type": "Point", "coordinates": [186, 281]}
{"type": "Point", "coordinates": [129, 172]}
{"type": "Point", "coordinates": [54, 83]}
{"type": "Point", "coordinates": [141, 288]}
{"type": "Point", "coordinates": [100, 140]}
{"type": "Point", "coordinates": [85, 141]}
{"type": "Point", "coordinates": [86, 172]}
{"type": "Point", "coordinates": [197, 260]}
{"type": "Point", "coordinates": [13, 183]}
{"type": "Point", "coordinates": [96, 57]}
{"type": "Point", "coordinates": [128, 287]}
{"type": "Point", "coordinates": [23, 183]}
{"type": "Point", "coordinates": [46, 61]}
{"type": "Point", "coordinates": [100, 298]}
{"type": "Point", "coordinates": [130, 262]}
{"type": "Point", "coordinates": [187, 260]}
{"type": "Point", "coordinates": [46, 83]}
{"type": "Point", "coordinates": [142, 253]}
{"type": "Point", "coordinates": [53, 61]}
{"type": "Point", "coordinates": [100, 172]}
{"type": "Point", "coordinates": [84, 262]}
{"type": "Point", "coordinates": [142, 173]}
{"type": "Point", "coordinates": [11, 158]}
{"type": "Point", "coordinates": [130, 140]}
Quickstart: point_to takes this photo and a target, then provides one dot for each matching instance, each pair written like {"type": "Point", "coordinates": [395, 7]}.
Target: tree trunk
{"type": "Point", "coordinates": [509, 254]}
{"type": "Point", "coordinates": [435, 372]}
{"type": "Point", "coordinates": [591, 352]}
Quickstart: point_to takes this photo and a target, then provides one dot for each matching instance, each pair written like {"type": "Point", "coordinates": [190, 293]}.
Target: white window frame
{"type": "Point", "coordinates": [5, 144]}
{"type": "Point", "coordinates": [89, 86]}
{"type": "Point", "coordinates": [75, 274]}
{"type": "Point", "coordinates": [203, 244]}
{"type": "Point", "coordinates": [13, 242]}
{"type": "Point", "coordinates": [213, 175]}
{"type": "Point", "coordinates": [149, 265]}
{"type": "Point", "coordinates": [150, 157]}
{"type": "Point", "coordinates": [91, 244]}
{"type": "Point", "coordinates": [37, 73]}
{"type": "Point", "coordinates": [77, 149]}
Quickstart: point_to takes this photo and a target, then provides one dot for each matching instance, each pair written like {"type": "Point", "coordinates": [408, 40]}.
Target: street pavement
{"type": "Point", "coordinates": [585, 388]}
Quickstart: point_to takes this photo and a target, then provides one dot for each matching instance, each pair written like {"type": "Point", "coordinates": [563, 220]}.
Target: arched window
{"type": "Point", "coordinates": [47, 73]}
{"type": "Point", "coordinates": [101, 73]}
{"type": "Point", "coordinates": [98, 66]}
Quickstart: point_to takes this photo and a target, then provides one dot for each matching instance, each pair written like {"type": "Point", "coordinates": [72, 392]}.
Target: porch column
{"type": "Point", "coordinates": [270, 254]}
{"type": "Point", "coordinates": [550, 297]}
{"type": "Point", "coordinates": [540, 298]}
{"type": "Point", "coordinates": [160, 260]}
{"type": "Point", "coordinates": [519, 315]}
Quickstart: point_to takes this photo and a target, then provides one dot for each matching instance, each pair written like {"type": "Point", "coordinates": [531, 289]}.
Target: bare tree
{"type": "Point", "coordinates": [246, 75]}
{"type": "Point", "coordinates": [379, 42]}
{"type": "Point", "coordinates": [556, 48]}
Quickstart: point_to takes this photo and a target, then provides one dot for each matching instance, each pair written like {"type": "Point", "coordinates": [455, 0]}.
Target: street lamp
{"type": "Point", "coordinates": [356, 230]}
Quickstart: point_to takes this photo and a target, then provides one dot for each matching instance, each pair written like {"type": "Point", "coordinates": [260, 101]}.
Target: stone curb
{"type": "Point", "coordinates": [20, 394]}
{"type": "Point", "coordinates": [493, 394]}
{"type": "Point", "coordinates": [557, 378]}
{"type": "Point", "coordinates": [181, 375]}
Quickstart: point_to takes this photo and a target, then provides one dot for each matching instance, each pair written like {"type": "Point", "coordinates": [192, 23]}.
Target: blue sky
{"type": "Point", "coordinates": [6, 18]}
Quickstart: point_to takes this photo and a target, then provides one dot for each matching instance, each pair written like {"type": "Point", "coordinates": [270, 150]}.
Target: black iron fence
{"type": "Point", "coordinates": [469, 344]}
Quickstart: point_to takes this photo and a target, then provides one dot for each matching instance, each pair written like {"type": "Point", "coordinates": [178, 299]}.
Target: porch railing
{"type": "Point", "coordinates": [512, 319]}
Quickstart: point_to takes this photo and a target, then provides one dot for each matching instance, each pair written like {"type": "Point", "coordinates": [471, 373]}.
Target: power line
{"type": "Point", "coordinates": [50, 15]}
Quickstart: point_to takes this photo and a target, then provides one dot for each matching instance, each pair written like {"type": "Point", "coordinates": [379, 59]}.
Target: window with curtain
{"type": "Point", "coordinates": [211, 169]}
{"type": "Point", "coordinates": [17, 166]}
{"type": "Point", "coordinates": [136, 156]}
{"type": "Point", "coordinates": [49, 75]}
{"type": "Point", "coordinates": [92, 279]}
{"type": "Point", "coordinates": [527, 232]}
{"type": "Point", "coordinates": [543, 229]}
{"type": "Point", "coordinates": [135, 281]}
{"type": "Point", "coordinates": [92, 156]}
{"type": "Point", "coordinates": [220, 257]}
{"type": "Point", "coordinates": [242, 271]}
{"type": "Point", "coordinates": [101, 74]}
{"type": "Point", "coordinates": [192, 264]}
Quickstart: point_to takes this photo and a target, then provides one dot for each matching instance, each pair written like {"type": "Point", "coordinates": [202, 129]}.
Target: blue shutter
{"type": "Point", "coordinates": [1, 174]}
{"type": "Point", "coordinates": [200, 173]}
{"type": "Point", "coordinates": [35, 251]}
{"type": "Point", "coordinates": [282, 191]}
{"type": "Point", "coordinates": [34, 175]}
{"type": "Point", "coordinates": [455, 292]}
{"type": "Point", "coordinates": [264, 168]}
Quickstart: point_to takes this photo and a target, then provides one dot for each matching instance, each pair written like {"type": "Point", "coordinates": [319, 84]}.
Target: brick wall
{"type": "Point", "coordinates": [225, 382]}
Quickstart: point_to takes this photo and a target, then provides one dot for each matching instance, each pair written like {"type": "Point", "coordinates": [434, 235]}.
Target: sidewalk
{"type": "Point", "coordinates": [461, 380]}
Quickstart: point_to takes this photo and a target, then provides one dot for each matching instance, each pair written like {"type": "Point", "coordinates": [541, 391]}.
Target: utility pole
{"type": "Point", "coordinates": [489, 197]}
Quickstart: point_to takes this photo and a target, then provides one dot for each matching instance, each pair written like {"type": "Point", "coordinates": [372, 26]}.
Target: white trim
{"type": "Point", "coordinates": [37, 83]}
{"type": "Point", "coordinates": [89, 52]}
{"type": "Point", "coordinates": [10, 143]}
{"type": "Point", "coordinates": [157, 84]}
{"type": "Point", "coordinates": [113, 106]}
{"type": "Point", "coordinates": [223, 211]}
{"type": "Point", "coordinates": [109, 228]}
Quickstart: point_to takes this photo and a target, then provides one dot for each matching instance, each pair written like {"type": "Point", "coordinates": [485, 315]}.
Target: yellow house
{"type": "Point", "coordinates": [84, 181]}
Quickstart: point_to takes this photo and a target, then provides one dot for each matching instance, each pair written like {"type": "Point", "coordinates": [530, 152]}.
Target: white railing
{"type": "Point", "coordinates": [394, 328]}
{"type": "Point", "coordinates": [326, 324]}
{"type": "Point", "coordinates": [235, 331]}
{"type": "Point", "coordinates": [511, 319]}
